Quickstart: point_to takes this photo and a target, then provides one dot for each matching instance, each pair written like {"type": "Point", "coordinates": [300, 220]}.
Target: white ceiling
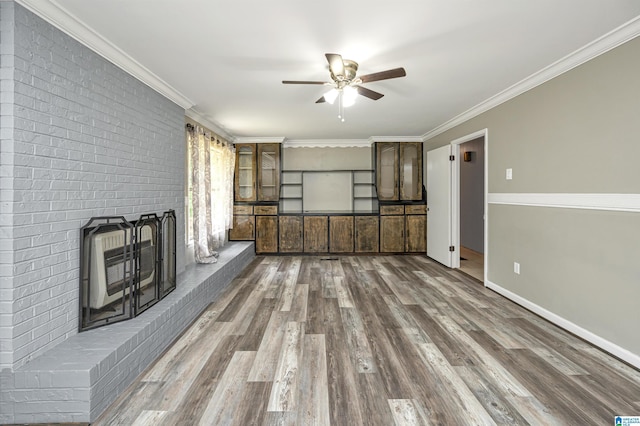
{"type": "Point", "coordinates": [227, 58]}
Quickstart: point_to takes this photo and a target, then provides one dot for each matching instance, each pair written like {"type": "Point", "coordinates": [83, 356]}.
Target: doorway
{"type": "Point", "coordinates": [445, 175]}
{"type": "Point", "coordinates": [469, 205]}
{"type": "Point", "coordinates": [471, 180]}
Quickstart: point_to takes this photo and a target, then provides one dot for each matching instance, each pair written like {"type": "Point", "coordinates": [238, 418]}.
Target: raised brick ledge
{"type": "Point", "coordinates": [78, 379]}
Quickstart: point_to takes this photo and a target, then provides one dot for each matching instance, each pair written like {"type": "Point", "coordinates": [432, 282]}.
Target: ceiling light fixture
{"type": "Point", "coordinates": [346, 97]}
{"type": "Point", "coordinates": [345, 85]}
{"type": "Point", "coordinates": [331, 95]}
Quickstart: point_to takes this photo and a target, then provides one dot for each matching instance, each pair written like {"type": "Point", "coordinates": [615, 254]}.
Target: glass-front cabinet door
{"type": "Point", "coordinates": [387, 170]}
{"type": "Point", "coordinates": [245, 178]}
{"type": "Point", "coordinates": [411, 171]}
{"type": "Point", "coordinates": [268, 172]}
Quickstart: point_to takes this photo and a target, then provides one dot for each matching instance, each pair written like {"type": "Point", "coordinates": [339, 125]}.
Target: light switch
{"type": "Point", "coordinates": [509, 174]}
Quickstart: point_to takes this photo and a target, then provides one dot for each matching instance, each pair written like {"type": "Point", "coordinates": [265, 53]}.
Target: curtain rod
{"type": "Point", "coordinates": [217, 138]}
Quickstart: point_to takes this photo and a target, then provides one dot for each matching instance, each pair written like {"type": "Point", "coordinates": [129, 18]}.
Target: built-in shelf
{"type": "Point", "coordinates": [363, 192]}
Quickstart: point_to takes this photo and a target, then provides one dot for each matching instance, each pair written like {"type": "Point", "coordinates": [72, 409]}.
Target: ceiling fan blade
{"type": "Point", "coordinates": [321, 100]}
{"type": "Point", "coordinates": [302, 82]}
{"type": "Point", "coordinates": [384, 75]}
{"type": "Point", "coordinates": [368, 93]}
{"type": "Point", "coordinates": [336, 64]}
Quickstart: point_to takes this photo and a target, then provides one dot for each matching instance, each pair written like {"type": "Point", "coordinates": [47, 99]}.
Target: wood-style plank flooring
{"type": "Point", "coordinates": [472, 263]}
{"type": "Point", "coordinates": [373, 340]}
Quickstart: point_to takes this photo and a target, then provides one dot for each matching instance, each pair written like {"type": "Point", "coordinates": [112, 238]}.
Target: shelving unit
{"type": "Point", "coordinates": [291, 191]}
{"type": "Point", "coordinates": [363, 198]}
{"type": "Point", "coordinates": [364, 191]}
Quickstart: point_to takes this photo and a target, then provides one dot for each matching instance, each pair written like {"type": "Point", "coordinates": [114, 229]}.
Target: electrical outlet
{"type": "Point", "coordinates": [509, 174]}
{"type": "Point", "coordinates": [516, 268]}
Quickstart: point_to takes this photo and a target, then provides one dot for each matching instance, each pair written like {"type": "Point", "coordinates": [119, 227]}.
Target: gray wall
{"type": "Point", "coordinates": [472, 195]}
{"type": "Point", "coordinates": [350, 158]}
{"type": "Point", "coordinates": [577, 133]}
{"type": "Point", "coordinates": [80, 138]}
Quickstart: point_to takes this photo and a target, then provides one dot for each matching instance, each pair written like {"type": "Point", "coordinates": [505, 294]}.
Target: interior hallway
{"type": "Point", "coordinates": [375, 340]}
{"type": "Point", "coordinates": [472, 263]}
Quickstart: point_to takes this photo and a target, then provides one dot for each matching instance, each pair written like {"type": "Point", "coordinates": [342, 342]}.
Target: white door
{"type": "Point", "coordinates": [439, 237]}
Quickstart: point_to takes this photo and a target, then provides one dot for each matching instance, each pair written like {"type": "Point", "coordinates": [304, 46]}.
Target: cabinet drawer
{"type": "Point", "coordinates": [395, 210]}
{"type": "Point", "coordinates": [242, 210]}
{"type": "Point", "coordinates": [415, 209]}
{"type": "Point", "coordinates": [265, 210]}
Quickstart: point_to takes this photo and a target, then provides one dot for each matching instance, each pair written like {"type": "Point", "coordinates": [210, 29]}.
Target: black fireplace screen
{"type": "Point", "coordinates": [126, 267]}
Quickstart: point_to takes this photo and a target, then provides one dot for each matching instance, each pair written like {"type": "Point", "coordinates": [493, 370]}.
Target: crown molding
{"type": "Point", "coordinates": [56, 15]}
{"type": "Point", "coordinates": [328, 143]}
{"type": "Point", "coordinates": [374, 139]}
{"type": "Point", "coordinates": [195, 115]}
{"type": "Point", "coordinates": [270, 139]}
{"type": "Point", "coordinates": [611, 40]}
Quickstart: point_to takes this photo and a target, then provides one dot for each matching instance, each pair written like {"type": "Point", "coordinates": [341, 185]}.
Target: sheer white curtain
{"type": "Point", "coordinates": [212, 162]}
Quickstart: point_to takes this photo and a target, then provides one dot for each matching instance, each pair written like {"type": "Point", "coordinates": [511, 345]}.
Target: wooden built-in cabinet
{"type": "Point", "coordinates": [410, 171]}
{"type": "Point", "coordinates": [341, 234]}
{"type": "Point", "coordinates": [316, 235]}
{"type": "Point", "coordinates": [403, 228]}
{"type": "Point", "coordinates": [387, 171]}
{"type": "Point", "coordinates": [397, 229]}
{"type": "Point", "coordinates": [244, 224]}
{"type": "Point", "coordinates": [399, 171]}
{"type": "Point", "coordinates": [416, 228]}
{"type": "Point", "coordinates": [256, 190]}
{"type": "Point", "coordinates": [290, 234]}
{"type": "Point", "coordinates": [266, 229]}
{"type": "Point", "coordinates": [392, 229]}
{"type": "Point", "coordinates": [244, 178]}
{"type": "Point", "coordinates": [387, 216]}
{"type": "Point", "coordinates": [257, 172]}
{"type": "Point", "coordinates": [367, 234]}
{"type": "Point", "coordinates": [268, 169]}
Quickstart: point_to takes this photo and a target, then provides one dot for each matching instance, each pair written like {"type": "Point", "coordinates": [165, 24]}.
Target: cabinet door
{"type": "Point", "coordinates": [392, 234]}
{"type": "Point", "coordinates": [416, 233]}
{"type": "Point", "coordinates": [387, 170]}
{"type": "Point", "coordinates": [290, 234]}
{"type": "Point", "coordinates": [245, 173]}
{"type": "Point", "coordinates": [367, 234]}
{"type": "Point", "coordinates": [266, 234]}
{"type": "Point", "coordinates": [341, 234]}
{"type": "Point", "coordinates": [316, 236]}
{"type": "Point", "coordinates": [411, 171]}
{"type": "Point", "coordinates": [268, 171]}
{"type": "Point", "coordinates": [243, 228]}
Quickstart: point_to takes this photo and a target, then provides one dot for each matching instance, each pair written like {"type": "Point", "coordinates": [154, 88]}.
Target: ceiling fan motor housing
{"type": "Point", "coordinates": [350, 69]}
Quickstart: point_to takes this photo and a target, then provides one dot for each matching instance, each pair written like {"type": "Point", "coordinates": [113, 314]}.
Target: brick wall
{"type": "Point", "coordinates": [80, 138]}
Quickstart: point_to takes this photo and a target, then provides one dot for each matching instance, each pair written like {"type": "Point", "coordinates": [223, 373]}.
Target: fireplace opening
{"type": "Point", "coordinates": [126, 267]}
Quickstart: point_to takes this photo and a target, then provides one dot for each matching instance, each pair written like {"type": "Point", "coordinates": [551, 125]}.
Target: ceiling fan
{"type": "Point", "coordinates": [345, 85]}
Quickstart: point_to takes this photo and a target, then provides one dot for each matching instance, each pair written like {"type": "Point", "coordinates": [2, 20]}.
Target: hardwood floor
{"type": "Point", "coordinates": [373, 340]}
{"type": "Point", "coordinates": [472, 263]}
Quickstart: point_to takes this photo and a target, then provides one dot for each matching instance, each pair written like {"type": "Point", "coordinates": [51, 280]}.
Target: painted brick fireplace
{"type": "Point", "coordinates": [79, 138]}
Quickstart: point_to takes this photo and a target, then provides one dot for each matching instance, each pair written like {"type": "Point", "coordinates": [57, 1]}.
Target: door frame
{"type": "Point", "coordinates": [455, 198]}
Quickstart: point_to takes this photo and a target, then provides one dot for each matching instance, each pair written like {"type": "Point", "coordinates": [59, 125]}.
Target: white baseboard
{"type": "Point", "coordinates": [612, 348]}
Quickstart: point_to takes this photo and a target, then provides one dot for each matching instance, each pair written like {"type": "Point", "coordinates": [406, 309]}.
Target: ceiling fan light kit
{"type": "Point", "coordinates": [345, 85]}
